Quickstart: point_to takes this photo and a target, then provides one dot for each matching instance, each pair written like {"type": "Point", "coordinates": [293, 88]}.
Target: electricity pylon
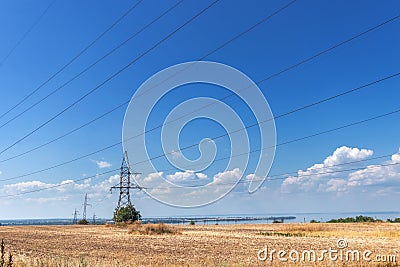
{"type": "Point", "coordinates": [85, 204]}
{"type": "Point", "coordinates": [75, 221]}
{"type": "Point", "coordinates": [125, 184]}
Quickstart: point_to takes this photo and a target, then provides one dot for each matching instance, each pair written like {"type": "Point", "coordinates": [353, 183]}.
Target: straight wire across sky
{"type": "Point", "coordinates": [328, 70]}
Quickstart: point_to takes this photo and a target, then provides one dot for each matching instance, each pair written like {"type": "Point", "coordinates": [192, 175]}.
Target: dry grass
{"type": "Point", "coordinates": [336, 230]}
{"type": "Point", "coordinates": [197, 245]}
{"type": "Point", "coordinates": [151, 229]}
{"type": "Point", "coordinates": [379, 230]}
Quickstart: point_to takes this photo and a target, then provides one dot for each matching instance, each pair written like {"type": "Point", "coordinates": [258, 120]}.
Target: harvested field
{"type": "Point", "coordinates": [197, 245]}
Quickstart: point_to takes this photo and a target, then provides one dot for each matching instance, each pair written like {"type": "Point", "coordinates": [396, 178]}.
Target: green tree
{"type": "Point", "coordinates": [127, 213]}
{"type": "Point", "coordinates": [83, 221]}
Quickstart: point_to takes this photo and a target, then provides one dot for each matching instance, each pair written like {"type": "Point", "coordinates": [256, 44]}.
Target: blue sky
{"type": "Point", "coordinates": [302, 30]}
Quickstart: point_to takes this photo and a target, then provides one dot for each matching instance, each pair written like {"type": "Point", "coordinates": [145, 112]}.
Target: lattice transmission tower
{"type": "Point", "coordinates": [125, 184]}
{"type": "Point", "coordinates": [85, 205]}
{"type": "Point", "coordinates": [75, 220]}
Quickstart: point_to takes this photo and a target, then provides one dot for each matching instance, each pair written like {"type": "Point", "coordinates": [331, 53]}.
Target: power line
{"type": "Point", "coordinates": [213, 51]}
{"type": "Point", "coordinates": [249, 29]}
{"type": "Point", "coordinates": [127, 102]}
{"type": "Point", "coordinates": [285, 174]}
{"type": "Point", "coordinates": [329, 131]}
{"type": "Point", "coordinates": [331, 48]}
{"type": "Point", "coordinates": [269, 178]}
{"type": "Point", "coordinates": [340, 171]}
{"type": "Point", "coordinates": [297, 64]}
{"type": "Point", "coordinates": [219, 159]}
{"type": "Point", "coordinates": [284, 114]}
{"type": "Point", "coordinates": [283, 71]}
{"type": "Point", "coordinates": [91, 65]}
{"type": "Point", "coordinates": [97, 203]}
{"type": "Point", "coordinates": [109, 78]}
{"type": "Point", "coordinates": [59, 185]}
{"type": "Point", "coordinates": [73, 59]}
{"type": "Point", "coordinates": [265, 19]}
{"type": "Point", "coordinates": [119, 144]}
{"type": "Point", "coordinates": [67, 133]}
{"type": "Point", "coordinates": [61, 164]}
{"type": "Point", "coordinates": [276, 117]}
{"type": "Point", "coordinates": [279, 176]}
{"type": "Point", "coordinates": [279, 116]}
{"type": "Point", "coordinates": [300, 139]}
{"type": "Point", "coordinates": [35, 23]}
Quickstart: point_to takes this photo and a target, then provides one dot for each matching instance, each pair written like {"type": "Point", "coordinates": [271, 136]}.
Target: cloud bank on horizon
{"type": "Point", "coordinates": [328, 177]}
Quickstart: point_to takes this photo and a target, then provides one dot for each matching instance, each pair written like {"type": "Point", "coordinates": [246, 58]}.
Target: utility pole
{"type": "Point", "coordinates": [75, 220]}
{"type": "Point", "coordinates": [125, 184]}
{"type": "Point", "coordinates": [85, 204]}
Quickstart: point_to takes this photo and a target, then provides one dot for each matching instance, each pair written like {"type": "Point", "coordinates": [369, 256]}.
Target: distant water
{"type": "Point", "coordinates": [203, 219]}
{"type": "Point", "coordinates": [43, 222]}
{"type": "Point", "coordinates": [326, 216]}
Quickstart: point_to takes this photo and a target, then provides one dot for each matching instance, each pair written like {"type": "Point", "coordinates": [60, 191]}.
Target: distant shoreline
{"type": "Point", "coordinates": [222, 219]}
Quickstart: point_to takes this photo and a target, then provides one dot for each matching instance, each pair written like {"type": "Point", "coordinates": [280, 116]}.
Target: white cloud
{"type": "Point", "coordinates": [102, 164]}
{"type": "Point", "coordinates": [388, 175]}
{"type": "Point", "coordinates": [190, 186]}
{"type": "Point", "coordinates": [42, 200]}
{"type": "Point", "coordinates": [253, 177]}
{"type": "Point", "coordinates": [25, 186]}
{"type": "Point", "coordinates": [223, 181]}
{"type": "Point", "coordinates": [396, 157]}
{"type": "Point", "coordinates": [346, 154]}
{"type": "Point", "coordinates": [228, 177]}
{"type": "Point", "coordinates": [335, 185]}
{"type": "Point", "coordinates": [64, 187]}
{"type": "Point", "coordinates": [161, 180]}
{"type": "Point", "coordinates": [222, 178]}
{"type": "Point", "coordinates": [187, 176]}
{"type": "Point", "coordinates": [176, 154]}
{"type": "Point", "coordinates": [326, 176]}
{"type": "Point", "coordinates": [310, 179]}
{"type": "Point", "coordinates": [106, 184]}
{"type": "Point", "coordinates": [152, 177]}
{"type": "Point", "coordinates": [71, 186]}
